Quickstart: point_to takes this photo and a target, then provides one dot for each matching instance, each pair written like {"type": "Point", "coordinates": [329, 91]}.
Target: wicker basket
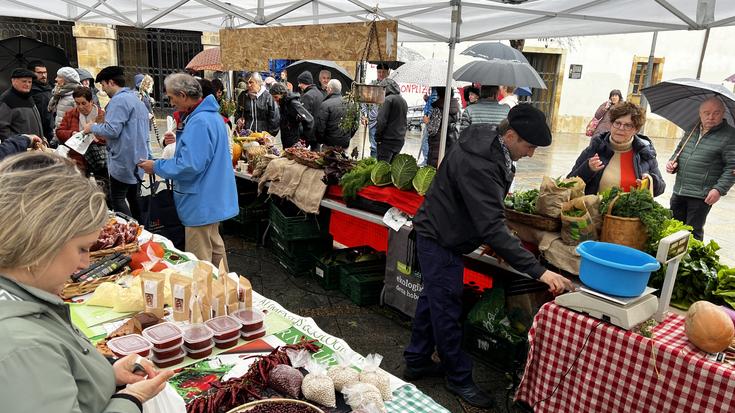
{"type": "Point", "coordinates": [126, 248]}
{"type": "Point", "coordinates": [249, 406]}
{"type": "Point", "coordinates": [72, 290]}
{"type": "Point", "coordinates": [624, 231]}
{"type": "Point", "coordinates": [532, 220]}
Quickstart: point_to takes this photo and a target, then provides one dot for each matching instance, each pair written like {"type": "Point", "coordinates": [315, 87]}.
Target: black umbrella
{"type": "Point", "coordinates": [315, 66]}
{"type": "Point", "coordinates": [500, 72]}
{"type": "Point", "coordinates": [494, 50]}
{"type": "Point", "coordinates": [18, 51]}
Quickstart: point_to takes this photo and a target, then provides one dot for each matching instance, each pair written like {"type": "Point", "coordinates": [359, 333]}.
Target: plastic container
{"type": "Point", "coordinates": [250, 319]}
{"type": "Point", "coordinates": [130, 344]}
{"type": "Point", "coordinates": [169, 361]}
{"type": "Point", "coordinates": [166, 353]}
{"type": "Point", "coordinates": [164, 336]}
{"type": "Point", "coordinates": [197, 336]}
{"type": "Point", "coordinates": [228, 343]}
{"type": "Point", "coordinates": [199, 353]}
{"type": "Point", "coordinates": [252, 335]}
{"type": "Point", "coordinates": [615, 269]}
{"type": "Point", "coordinates": [225, 328]}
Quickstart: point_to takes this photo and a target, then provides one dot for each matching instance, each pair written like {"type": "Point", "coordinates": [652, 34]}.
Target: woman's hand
{"type": "Point", "coordinates": [557, 283]}
{"type": "Point", "coordinates": [169, 138]}
{"type": "Point", "coordinates": [671, 166]}
{"type": "Point", "coordinates": [127, 369]}
{"type": "Point", "coordinates": [147, 389]}
{"type": "Point", "coordinates": [595, 163]}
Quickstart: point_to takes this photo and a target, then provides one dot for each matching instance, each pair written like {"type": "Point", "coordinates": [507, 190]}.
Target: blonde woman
{"type": "Point", "coordinates": [51, 217]}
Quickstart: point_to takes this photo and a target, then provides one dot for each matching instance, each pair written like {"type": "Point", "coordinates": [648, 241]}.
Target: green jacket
{"type": "Point", "coordinates": [707, 164]}
{"type": "Point", "coordinates": [47, 364]}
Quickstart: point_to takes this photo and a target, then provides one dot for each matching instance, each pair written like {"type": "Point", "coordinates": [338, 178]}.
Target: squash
{"type": "Point", "coordinates": [236, 152]}
{"type": "Point", "coordinates": [708, 327]}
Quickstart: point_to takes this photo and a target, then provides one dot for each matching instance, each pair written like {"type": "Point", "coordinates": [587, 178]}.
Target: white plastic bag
{"type": "Point", "coordinates": [317, 386]}
{"type": "Point", "coordinates": [373, 374]}
{"type": "Point", "coordinates": [363, 396]}
{"type": "Point", "coordinates": [168, 400]}
{"type": "Point", "coordinates": [342, 373]}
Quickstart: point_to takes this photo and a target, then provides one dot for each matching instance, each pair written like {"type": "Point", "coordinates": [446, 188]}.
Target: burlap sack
{"type": "Point", "coordinates": [575, 229]}
{"type": "Point", "coordinates": [552, 197]}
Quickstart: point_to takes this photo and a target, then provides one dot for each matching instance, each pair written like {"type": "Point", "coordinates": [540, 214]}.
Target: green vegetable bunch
{"type": "Point", "coordinates": [522, 201]}
{"type": "Point", "coordinates": [422, 180]}
{"type": "Point", "coordinates": [358, 177]}
{"type": "Point", "coordinates": [726, 286]}
{"type": "Point", "coordinates": [639, 203]}
{"type": "Point", "coordinates": [402, 170]}
{"type": "Point", "coordinates": [574, 212]}
{"type": "Point", "coordinates": [559, 181]}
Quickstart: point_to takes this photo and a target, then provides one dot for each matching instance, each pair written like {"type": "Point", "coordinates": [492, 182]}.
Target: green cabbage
{"type": "Point", "coordinates": [402, 170]}
{"type": "Point", "coordinates": [423, 178]}
{"type": "Point", "coordinates": [381, 174]}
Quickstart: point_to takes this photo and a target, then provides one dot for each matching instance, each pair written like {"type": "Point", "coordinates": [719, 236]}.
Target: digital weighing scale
{"type": "Point", "coordinates": [627, 312]}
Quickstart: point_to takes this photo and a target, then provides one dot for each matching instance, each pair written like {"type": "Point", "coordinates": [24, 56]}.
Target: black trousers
{"type": "Point", "coordinates": [124, 198]}
{"type": "Point", "coordinates": [691, 211]}
{"type": "Point", "coordinates": [385, 154]}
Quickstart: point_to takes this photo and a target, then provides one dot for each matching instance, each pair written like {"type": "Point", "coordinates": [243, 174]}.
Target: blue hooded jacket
{"type": "Point", "coordinates": [204, 180]}
{"type": "Point", "coordinates": [126, 131]}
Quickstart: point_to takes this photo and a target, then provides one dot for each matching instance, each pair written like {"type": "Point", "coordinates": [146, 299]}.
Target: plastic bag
{"type": "Point", "coordinates": [317, 386]}
{"type": "Point", "coordinates": [489, 314]}
{"type": "Point", "coordinates": [363, 396]}
{"type": "Point", "coordinates": [286, 380]}
{"type": "Point", "coordinates": [168, 400]}
{"type": "Point", "coordinates": [342, 373]}
{"type": "Point", "coordinates": [373, 374]}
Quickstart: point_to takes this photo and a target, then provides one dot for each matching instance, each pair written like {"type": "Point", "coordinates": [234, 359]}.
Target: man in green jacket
{"type": "Point", "coordinates": [703, 163]}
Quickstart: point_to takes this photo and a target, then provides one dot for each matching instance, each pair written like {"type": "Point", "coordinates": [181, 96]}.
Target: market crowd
{"type": "Point", "coordinates": [462, 210]}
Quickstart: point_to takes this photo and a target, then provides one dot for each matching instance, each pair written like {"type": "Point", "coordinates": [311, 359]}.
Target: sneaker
{"type": "Point", "coordinates": [412, 373]}
{"type": "Point", "coordinates": [471, 394]}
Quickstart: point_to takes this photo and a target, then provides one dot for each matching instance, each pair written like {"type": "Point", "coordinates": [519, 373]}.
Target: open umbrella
{"type": "Point", "coordinates": [404, 55]}
{"type": "Point", "coordinates": [678, 100]}
{"type": "Point", "coordinates": [500, 72]}
{"type": "Point", "coordinates": [431, 72]}
{"type": "Point", "coordinates": [731, 78]}
{"type": "Point", "coordinates": [207, 59]}
{"type": "Point", "coordinates": [494, 50]}
{"type": "Point", "coordinates": [18, 51]}
{"type": "Point", "coordinates": [315, 66]}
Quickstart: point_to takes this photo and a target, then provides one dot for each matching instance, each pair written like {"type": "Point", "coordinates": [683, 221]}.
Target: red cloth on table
{"type": "Point", "coordinates": [355, 232]}
{"type": "Point", "coordinates": [617, 370]}
{"type": "Point", "coordinates": [407, 201]}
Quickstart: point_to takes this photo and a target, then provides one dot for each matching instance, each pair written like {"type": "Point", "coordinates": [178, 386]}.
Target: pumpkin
{"type": "Point", "coordinates": [708, 327]}
{"type": "Point", "coordinates": [236, 152]}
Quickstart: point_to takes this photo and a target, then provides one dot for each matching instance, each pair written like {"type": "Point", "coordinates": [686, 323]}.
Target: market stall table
{"type": "Point", "coordinates": [581, 364]}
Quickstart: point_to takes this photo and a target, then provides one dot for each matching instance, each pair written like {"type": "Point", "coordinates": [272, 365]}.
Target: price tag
{"type": "Point", "coordinates": [319, 272]}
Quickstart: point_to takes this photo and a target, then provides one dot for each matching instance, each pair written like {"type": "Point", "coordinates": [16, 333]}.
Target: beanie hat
{"type": "Point", "coordinates": [138, 79]}
{"type": "Point", "coordinates": [305, 78]}
{"type": "Point", "coordinates": [69, 74]}
{"type": "Point", "coordinates": [530, 124]}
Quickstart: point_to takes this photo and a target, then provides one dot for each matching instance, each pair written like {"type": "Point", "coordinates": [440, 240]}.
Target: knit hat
{"type": "Point", "coordinates": [21, 72]}
{"type": "Point", "coordinates": [69, 74]}
{"type": "Point", "coordinates": [84, 74]}
{"type": "Point", "coordinates": [139, 79]}
{"type": "Point", "coordinates": [530, 124]}
{"type": "Point", "coordinates": [306, 78]}
{"type": "Point", "coordinates": [109, 72]}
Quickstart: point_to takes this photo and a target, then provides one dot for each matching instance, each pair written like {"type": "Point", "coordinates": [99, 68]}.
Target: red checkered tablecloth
{"type": "Point", "coordinates": [619, 371]}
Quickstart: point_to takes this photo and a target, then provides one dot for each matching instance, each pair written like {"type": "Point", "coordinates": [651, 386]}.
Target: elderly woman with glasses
{"type": "Point", "coordinates": [621, 157]}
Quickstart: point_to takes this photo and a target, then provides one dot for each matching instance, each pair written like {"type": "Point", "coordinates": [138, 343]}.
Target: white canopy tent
{"type": "Point", "coordinates": [450, 22]}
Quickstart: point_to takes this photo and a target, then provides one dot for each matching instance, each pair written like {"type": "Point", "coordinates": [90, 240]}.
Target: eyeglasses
{"type": "Point", "coordinates": [623, 126]}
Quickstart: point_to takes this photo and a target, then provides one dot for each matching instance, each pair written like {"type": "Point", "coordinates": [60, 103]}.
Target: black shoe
{"type": "Point", "coordinates": [472, 395]}
{"type": "Point", "coordinates": [432, 369]}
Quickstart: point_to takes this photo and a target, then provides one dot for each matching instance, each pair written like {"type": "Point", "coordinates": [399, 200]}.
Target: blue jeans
{"type": "Point", "coordinates": [436, 322]}
{"type": "Point", "coordinates": [424, 145]}
{"type": "Point", "coordinates": [373, 144]}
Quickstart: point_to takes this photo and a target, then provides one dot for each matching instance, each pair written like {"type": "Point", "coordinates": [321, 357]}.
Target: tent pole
{"type": "Point", "coordinates": [704, 50]}
{"type": "Point", "coordinates": [649, 71]}
{"type": "Point", "coordinates": [453, 38]}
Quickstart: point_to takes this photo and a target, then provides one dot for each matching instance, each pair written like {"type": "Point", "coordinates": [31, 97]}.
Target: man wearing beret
{"type": "Point", "coordinates": [18, 112]}
{"type": "Point", "coordinates": [463, 210]}
{"type": "Point", "coordinates": [126, 131]}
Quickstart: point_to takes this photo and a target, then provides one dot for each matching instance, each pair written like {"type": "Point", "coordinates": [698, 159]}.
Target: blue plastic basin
{"type": "Point", "coordinates": [615, 269]}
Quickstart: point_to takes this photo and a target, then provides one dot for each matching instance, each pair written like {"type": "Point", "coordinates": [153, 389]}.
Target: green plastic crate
{"type": "Point", "coordinates": [315, 246]}
{"type": "Point", "coordinates": [290, 223]}
{"type": "Point", "coordinates": [298, 265]}
{"type": "Point", "coordinates": [361, 289]}
{"type": "Point", "coordinates": [494, 351]}
{"type": "Point", "coordinates": [328, 274]}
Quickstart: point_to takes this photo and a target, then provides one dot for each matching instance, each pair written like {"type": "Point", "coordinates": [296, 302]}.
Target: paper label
{"type": "Point", "coordinates": [319, 272]}
{"type": "Point", "coordinates": [179, 296]}
{"type": "Point", "coordinates": [150, 288]}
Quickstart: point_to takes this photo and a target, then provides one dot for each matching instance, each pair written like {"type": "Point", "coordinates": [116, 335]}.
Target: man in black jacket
{"type": "Point", "coordinates": [463, 210]}
{"type": "Point", "coordinates": [311, 96]}
{"type": "Point", "coordinates": [41, 95]}
{"type": "Point", "coordinates": [331, 111]}
{"type": "Point", "coordinates": [17, 144]}
{"type": "Point", "coordinates": [18, 113]}
{"type": "Point", "coordinates": [390, 130]}
{"type": "Point", "coordinates": [296, 121]}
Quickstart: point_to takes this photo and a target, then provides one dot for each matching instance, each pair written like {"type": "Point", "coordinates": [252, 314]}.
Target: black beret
{"type": "Point", "coordinates": [22, 72]}
{"type": "Point", "coordinates": [306, 78]}
{"type": "Point", "coordinates": [109, 72]}
{"type": "Point", "coordinates": [383, 66]}
{"type": "Point", "coordinates": [530, 124]}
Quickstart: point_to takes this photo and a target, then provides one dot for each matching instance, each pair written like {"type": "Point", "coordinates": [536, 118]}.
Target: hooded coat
{"type": "Point", "coordinates": [204, 181]}
{"type": "Point", "coordinates": [85, 74]}
{"type": "Point", "coordinates": [312, 98]}
{"type": "Point", "coordinates": [390, 129]}
{"type": "Point", "coordinates": [62, 101]}
{"type": "Point", "coordinates": [41, 95]}
{"type": "Point", "coordinates": [296, 121]}
{"type": "Point", "coordinates": [260, 114]}
{"type": "Point", "coordinates": [46, 363]}
{"type": "Point", "coordinates": [463, 208]}
{"type": "Point", "coordinates": [328, 130]}
{"type": "Point", "coordinates": [18, 114]}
